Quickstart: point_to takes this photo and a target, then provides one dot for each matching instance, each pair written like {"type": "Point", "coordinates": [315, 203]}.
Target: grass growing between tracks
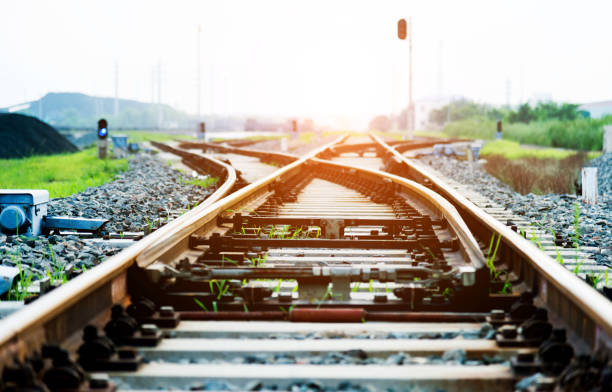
{"type": "Point", "coordinates": [62, 175]}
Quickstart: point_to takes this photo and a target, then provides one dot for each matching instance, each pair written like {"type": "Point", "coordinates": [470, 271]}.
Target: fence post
{"type": "Point", "coordinates": [589, 185]}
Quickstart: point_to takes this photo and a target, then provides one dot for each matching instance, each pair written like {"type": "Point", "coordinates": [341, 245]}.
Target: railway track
{"type": "Point", "coordinates": [326, 274]}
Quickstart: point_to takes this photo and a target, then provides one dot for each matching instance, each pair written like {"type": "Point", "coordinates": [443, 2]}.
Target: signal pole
{"type": "Point", "coordinates": [405, 30]}
{"type": "Point", "coordinates": [410, 124]}
{"type": "Point", "coordinates": [116, 90]}
{"type": "Point", "coordinates": [159, 108]}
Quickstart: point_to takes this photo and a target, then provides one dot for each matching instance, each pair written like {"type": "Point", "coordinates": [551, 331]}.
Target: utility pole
{"type": "Point", "coordinates": [392, 119]}
{"type": "Point", "coordinates": [440, 64]}
{"type": "Point", "coordinates": [116, 89]}
{"type": "Point", "coordinates": [153, 84]}
{"type": "Point", "coordinates": [198, 80]}
{"type": "Point", "coordinates": [508, 93]}
{"type": "Point", "coordinates": [159, 85]}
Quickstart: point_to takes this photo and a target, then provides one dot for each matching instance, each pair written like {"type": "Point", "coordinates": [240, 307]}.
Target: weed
{"type": "Point", "coordinates": [57, 274]}
{"type": "Point", "coordinates": [507, 289]}
{"type": "Point", "coordinates": [606, 278]}
{"type": "Point", "coordinates": [222, 287]}
{"type": "Point", "coordinates": [356, 287]}
{"type": "Point", "coordinates": [200, 304]}
{"type": "Point", "coordinates": [596, 279]}
{"type": "Point", "coordinates": [278, 286]}
{"type": "Point", "coordinates": [225, 258]}
{"type": "Point", "coordinates": [576, 225]}
{"type": "Point", "coordinates": [328, 294]}
{"type": "Point", "coordinates": [287, 310]}
{"type": "Point", "coordinates": [536, 240]}
{"type": "Point", "coordinates": [19, 291]}
{"type": "Point", "coordinates": [258, 261]}
{"type": "Point", "coordinates": [214, 305]}
{"type": "Point", "coordinates": [491, 256]}
{"type": "Point", "coordinates": [149, 224]}
{"type": "Point", "coordinates": [246, 309]}
{"type": "Point", "coordinates": [576, 270]}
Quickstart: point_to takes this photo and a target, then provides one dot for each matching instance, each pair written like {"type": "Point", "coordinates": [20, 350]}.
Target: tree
{"type": "Point", "coordinates": [380, 123]}
{"type": "Point", "coordinates": [525, 114]}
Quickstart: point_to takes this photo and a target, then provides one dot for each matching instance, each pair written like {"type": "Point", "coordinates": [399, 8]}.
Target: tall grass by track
{"type": "Point", "coordinates": [537, 175]}
{"type": "Point", "coordinates": [62, 175]}
{"type": "Point", "coordinates": [581, 134]}
{"type": "Point", "coordinates": [534, 170]}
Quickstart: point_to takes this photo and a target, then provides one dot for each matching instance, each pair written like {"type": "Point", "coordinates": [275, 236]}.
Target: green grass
{"type": "Point", "coordinates": [580, 134]}
{"type": "Point", "coordinates": [147, 136]}
{"type": "Point", "coordinates": [62, 175]}
{"type": "Point", "coordinates": [205, 183]}
{"type": "Point", "coordinates": [512, 150]}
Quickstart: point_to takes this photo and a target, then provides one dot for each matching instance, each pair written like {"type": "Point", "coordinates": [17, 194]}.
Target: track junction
{"type": "Point", "coordinates": [322, 273]}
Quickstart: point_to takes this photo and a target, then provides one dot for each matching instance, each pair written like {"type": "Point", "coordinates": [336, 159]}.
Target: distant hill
{"type": "Point", "coordinates": [79, 111]}
{"type": "Point", "coordinates": [23, 136]}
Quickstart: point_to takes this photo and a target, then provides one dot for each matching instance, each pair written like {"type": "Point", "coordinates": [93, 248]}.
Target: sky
{"type": "Point", "coordinates": [320, 59]}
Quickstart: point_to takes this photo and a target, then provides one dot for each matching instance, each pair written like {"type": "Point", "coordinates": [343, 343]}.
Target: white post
{"type": "Point", "coordinates": [284, 144]}
{"type": "Point", "coordinates": [589, 185]}
{"type": "Point", "coordinates": [607, 139]}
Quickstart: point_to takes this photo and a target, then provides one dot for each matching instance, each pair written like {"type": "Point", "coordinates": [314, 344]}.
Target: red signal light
{"type": "Point", "coordinates": [401, 29]}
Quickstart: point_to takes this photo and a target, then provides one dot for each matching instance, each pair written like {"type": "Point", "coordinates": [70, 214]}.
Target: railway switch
{"type": "Point", "coordinates": [24, 211]}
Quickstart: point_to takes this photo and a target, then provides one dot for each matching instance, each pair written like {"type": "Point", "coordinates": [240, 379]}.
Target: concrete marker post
{"type": "Point", "coordinates": [589, 185]}
{"type": "Point", "coordinates": [607, 139]}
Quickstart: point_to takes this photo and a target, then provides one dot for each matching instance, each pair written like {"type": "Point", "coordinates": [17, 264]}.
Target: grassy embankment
{"type": "Point", "coordinates": [535, 170]}
{"type": "Point", "coordinates": [62, 175]}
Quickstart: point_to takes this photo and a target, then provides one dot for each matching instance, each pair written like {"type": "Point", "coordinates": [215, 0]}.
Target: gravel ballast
{"type": "Point", "coordinates": [137, 200]}
{"type": "Point", "coordinates": [551, 211]}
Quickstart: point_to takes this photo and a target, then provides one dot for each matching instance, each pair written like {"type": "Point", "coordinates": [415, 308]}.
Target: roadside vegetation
{"type": "Point", "coordinates": [534, 170]}
{"type": "Point", "coordinates": [146, 136]}
{"type": "Point", "coordinates": [547, 124]}
{"type": "Point", "coordinates": [62, 175]}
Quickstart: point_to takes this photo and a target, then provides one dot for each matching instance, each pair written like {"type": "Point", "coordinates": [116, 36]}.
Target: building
{"type": "Point", "coordinates": [597, 109]}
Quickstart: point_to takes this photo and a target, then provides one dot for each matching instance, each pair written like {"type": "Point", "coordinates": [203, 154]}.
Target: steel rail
{"type": "Point", "coordinates": [48, 319]}
{"type": "Point", "coordinates": [468, 244]}
{"type": "Point", "coordinates": [223, 148]}
{"type": "Point", "coordinates": [587, 312]}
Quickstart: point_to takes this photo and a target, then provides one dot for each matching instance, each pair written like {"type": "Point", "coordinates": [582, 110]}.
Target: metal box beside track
{"type": "Point", "coordinates": [22, 210]}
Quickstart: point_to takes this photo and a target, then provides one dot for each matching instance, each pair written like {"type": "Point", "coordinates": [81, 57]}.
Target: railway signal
{"type": "Point", "coordinates": [202, 131]}
{"type": "Point", "coordinates": [102, 138]}
{"type": "Point", "coordinates": [401, 29]}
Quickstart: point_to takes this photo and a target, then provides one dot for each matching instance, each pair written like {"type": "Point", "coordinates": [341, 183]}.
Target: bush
{"type": "Point", "coordinates": [581, 134]}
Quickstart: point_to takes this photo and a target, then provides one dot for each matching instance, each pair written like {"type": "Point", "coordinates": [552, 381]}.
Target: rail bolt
{"type": "Point", "coordinates": [497, 314]}
{"type": "Point", "coordinates": [166, 311]}
{"type": "Point", "coordinates": [508, 331]}
{"type": "Point", "coordinates": [149, 329]}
